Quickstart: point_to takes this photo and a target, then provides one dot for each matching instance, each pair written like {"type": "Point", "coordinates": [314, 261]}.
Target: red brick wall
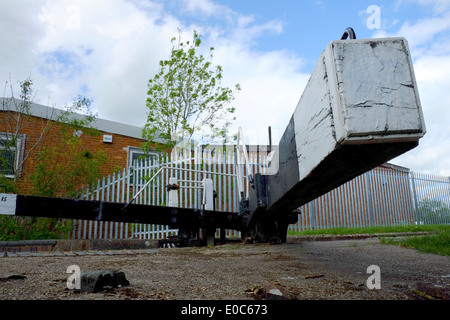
{"type": "Point", "coordinates": [116, 152]}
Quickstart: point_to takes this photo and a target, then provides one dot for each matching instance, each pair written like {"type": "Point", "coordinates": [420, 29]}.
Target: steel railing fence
{"type": "Point", "coordinates": [387, 195]}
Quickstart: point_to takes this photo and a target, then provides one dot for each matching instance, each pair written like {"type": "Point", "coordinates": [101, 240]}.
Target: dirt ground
{"type": "Point", "coordinates": [305, 270]}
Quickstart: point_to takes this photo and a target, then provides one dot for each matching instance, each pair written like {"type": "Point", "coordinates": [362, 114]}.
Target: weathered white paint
{"type": "Point", "coordinates": [173, 194]}
{"type": "Point", "coordinates": [360, 92]}
{"type": "Point", "coordinates": [375, 96]}
{"type": "Point", "coordinates": [313, 121]}
{"type": "Point", "coordinates": [8, 204]}
{"type": "Point", "coordinates": [208, 194]}
{"type": "Point", "coordinates": [273, 163]}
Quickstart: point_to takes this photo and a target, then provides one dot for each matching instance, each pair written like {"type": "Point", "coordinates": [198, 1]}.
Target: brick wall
{"type": "Point", "coordinates": [116, 152]}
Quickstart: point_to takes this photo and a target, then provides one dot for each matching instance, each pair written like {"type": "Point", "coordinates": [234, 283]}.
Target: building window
{"type": "Point", "coordinates": [138, 174]}
{"type": "Point", "coordinates": [11, 154]}
{"type": "Point", "coordinates": [135, 154]}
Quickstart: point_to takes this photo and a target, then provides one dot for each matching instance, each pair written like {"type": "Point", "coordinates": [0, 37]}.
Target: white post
{"type": "Point", "coordinates": [208, 194]}
{"type": "Point", "coordinates": [173, 193]}
{"type": "Point", "coordinates": [8, 204]}
{"type": "Point", "coordinates": [208, 204]}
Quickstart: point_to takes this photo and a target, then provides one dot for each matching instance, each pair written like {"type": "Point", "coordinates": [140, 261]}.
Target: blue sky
{"type": "Point", "coordinates": [306, 27]}
{"type": "Point", "coordinates": [107, 50]}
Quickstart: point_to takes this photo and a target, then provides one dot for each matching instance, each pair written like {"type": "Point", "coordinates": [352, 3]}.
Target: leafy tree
{"type": "Point", "coordinates": [62, 168]}
{"type": "Point", "coordinates": [186, 96]}
{"type": "Point", "coordinates": [14, 123]}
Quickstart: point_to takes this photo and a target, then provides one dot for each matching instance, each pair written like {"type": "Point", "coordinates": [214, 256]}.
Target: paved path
{"type": "Point", "coordinates": [76, 253]}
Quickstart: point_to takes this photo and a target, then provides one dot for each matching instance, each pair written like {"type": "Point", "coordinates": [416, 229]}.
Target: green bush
{"type": "Point", "coordinates": [23, 228]}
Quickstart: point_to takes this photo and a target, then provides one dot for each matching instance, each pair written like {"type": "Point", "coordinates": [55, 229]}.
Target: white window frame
{"type": "Point", "coordinates": [135, 150]}
{"type": "Point", "coordinates": [132, 151]}
{"type": "Point", "coordinates": [19, 153]}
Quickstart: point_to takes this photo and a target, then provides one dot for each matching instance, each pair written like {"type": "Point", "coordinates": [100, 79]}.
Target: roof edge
{"type": "Point", "coordinates": [46, 112]}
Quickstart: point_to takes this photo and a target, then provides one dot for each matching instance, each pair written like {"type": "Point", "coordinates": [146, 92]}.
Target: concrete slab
{"type": "Point", "coordinates": [360, 92]}
{"type": "Point", "coordinates": [95, 281]}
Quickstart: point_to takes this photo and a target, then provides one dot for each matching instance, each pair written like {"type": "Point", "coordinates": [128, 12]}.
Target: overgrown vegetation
{"type": "Point", "coordinates": [438, 243]}
{"type": "Point", "coordinates": [18, 228]}
{"type": "Point", "coordinates": [66, 166]}
{"type": "Point", "coordinates": [62, 168]}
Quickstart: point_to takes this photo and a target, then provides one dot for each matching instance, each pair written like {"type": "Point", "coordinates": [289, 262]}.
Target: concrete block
{"type": "Point", "coordinates": [361, 92]}
{"type": "Point", "coordinates": [95, 281]}
{"type": "Point", "coordinates": [375, 90]}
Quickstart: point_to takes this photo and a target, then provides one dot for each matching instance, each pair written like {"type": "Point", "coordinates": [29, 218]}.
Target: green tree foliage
{"type": "Point", "coordinates": [186, 96]}
{"type": "Point", "coordinates": [24, 228]}
{"type": "Point", "coordinates": [65, 167]}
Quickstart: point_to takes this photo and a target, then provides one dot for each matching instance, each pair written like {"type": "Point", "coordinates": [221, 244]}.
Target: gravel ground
{"type": "Point", "coordinates": [306, 270]}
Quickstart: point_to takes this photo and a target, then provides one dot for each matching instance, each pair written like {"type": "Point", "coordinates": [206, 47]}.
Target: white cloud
{"type": "Point", "coordinates": [205, 8]}
{"type": "Point", "coordinates": [425, 30]}
{"type": "Point", "coordinates": [109, 49]}
{"type": "Point", "coordinates": [433, 152]}
{"type": "Point", "coordinates": [431, 55]}
{"type": "Point", "coordinates": [438, 6]}
{"type": "Point", "coordinates": [106, 50]}
{"type": "Point", "coordinates": [423, 35]}
{"type": "Point", "coordinates": [271, 87]}
{"type": "Point", "coordinates": [20, 31]}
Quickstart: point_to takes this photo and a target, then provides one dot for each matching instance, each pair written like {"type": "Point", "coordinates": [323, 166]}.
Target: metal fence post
{"type": "Point", "coordinates": [369, 198]}
{"type": "Point", "coordinates": [312, 215]}
{"type": "Point", "coordinates": [414, 193]}
{"type": "Point", "coordinates": [448, 190]}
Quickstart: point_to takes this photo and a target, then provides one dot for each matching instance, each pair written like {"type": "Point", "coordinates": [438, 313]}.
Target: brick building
{"type": "Point", "coordinates": [120, 142]}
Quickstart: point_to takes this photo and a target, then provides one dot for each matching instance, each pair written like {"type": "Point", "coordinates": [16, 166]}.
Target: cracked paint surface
{"type": "Point", "coordinates": [377, 88]}
{"type": "Point", "coordinates": [361, 91]}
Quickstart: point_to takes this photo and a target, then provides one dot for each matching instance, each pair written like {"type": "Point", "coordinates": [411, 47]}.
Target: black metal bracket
{"type": "Point", "coordinates": [172, 187]}
{"type": "Point", "coordinates": [349, 33]}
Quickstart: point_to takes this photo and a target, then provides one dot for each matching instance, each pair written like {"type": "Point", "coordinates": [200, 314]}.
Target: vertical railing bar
{"type": "Point", "coordinates": [398, 179]}
{"type": "Point", "coordinates": [436, 187]}
{"type": "Point", "coordinates": [440, 195]}
{"type": "Point", "coordinates": [417, 215]}
{"type": "Point", "coordinates": [345, 204]}
{"type": "Point", "coordinates": [339, 215]}
{"type": "Point", "coordinates": [334, 207]}
{"type": "Point", "coordinates": [359, 212]}
{"type": "Point", "coordinates": [377, 196]}
{"type": "Point", "coordinates": [352, 204]}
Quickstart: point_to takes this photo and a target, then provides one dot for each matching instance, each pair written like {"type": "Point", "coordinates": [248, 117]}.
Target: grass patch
{"type": "Point", "coordinates": [362, 230]}
{"type": "Point", "coordinates": [438, 243]}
